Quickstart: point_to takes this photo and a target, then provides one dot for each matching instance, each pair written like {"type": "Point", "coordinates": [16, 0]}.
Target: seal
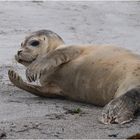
{"type": "Point", "coordinates": [103, 75]}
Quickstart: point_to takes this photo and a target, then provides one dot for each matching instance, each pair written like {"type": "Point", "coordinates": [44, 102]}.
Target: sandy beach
{"type": "Point", "coordinates": [23, 115]}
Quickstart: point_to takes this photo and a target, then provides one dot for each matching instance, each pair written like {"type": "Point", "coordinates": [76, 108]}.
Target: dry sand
{"type": "Point", "coordinates": [23, 115]}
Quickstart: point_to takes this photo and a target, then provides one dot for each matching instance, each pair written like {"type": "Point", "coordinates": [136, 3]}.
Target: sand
{"type": "Point", "coordinates": [23, 115]}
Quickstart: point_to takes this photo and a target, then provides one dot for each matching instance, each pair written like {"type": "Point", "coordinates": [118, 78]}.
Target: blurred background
{"type": "Point", "coordinates": [78, 22]}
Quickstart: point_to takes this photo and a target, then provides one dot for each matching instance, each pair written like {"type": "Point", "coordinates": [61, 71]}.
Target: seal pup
{"type": "Point", "coordinates": [99, 74]}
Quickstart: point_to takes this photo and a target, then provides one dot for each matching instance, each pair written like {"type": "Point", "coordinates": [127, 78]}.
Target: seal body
{"type": "Point", "coordinates": [99, 75]}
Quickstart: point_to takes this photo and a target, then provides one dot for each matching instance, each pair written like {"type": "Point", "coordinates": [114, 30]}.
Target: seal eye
{"type": "Point", "coordinates": [34, 43]}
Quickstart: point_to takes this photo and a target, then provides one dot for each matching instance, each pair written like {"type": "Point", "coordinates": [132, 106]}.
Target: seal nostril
{"type": "Point", "coordinates": [19, 52]}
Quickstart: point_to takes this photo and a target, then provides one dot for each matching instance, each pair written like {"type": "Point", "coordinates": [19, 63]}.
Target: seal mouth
{"type": "Point", "coordinates": [24, 62]}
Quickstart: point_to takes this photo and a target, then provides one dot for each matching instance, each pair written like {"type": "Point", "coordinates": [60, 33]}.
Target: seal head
{"type": "Point", "coordinates": [37, 44]}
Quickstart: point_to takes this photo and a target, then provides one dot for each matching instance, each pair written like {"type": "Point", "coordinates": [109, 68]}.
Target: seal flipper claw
{"type": "Point", "coordinates": [28, 75]}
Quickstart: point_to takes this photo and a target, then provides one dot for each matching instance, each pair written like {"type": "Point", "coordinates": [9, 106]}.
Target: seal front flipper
{"type": "Point", "coordinates": [46, 91]}
{"type": "Point", "coordinates": [122, 109]}
{"type": "Point", "coordinates": [52, 61]}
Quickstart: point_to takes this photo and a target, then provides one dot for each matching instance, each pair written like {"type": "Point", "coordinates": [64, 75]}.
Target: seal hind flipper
{"type": "Point", "coordinates": [121, 110]}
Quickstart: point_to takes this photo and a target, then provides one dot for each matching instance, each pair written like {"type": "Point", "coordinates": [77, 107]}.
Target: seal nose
{"type": "Point", "coordinates": [19, 52]}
